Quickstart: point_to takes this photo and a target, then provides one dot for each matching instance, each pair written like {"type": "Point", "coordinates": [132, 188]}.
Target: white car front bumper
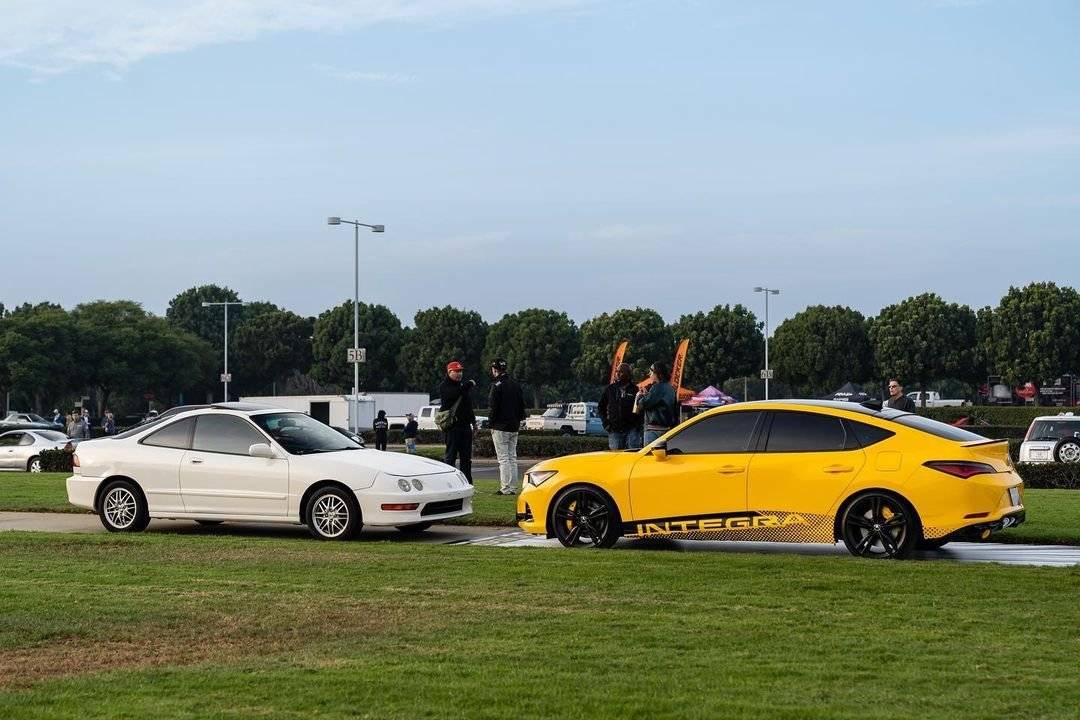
{"type": "Point", "coordinates": [431, 506]}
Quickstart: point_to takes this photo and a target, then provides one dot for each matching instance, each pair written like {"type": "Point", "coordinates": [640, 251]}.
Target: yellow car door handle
{"type": "Point", "coordinates": [730, 469]}
{"type": "Point", "coordinates": [839, 469]}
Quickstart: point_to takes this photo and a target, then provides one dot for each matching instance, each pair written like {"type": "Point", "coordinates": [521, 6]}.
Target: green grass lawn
{"type": "Point", "coordinates": [1053, 515]}
{"type": "Point", "coordinates": [169, 626]}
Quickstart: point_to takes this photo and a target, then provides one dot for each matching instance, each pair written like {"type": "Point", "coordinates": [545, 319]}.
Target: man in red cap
{"type": "Point", "coordinates": [455, 397]}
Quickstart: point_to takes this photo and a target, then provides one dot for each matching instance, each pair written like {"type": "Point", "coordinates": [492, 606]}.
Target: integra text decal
{"type": "Point", "coordinates": [713, 523]}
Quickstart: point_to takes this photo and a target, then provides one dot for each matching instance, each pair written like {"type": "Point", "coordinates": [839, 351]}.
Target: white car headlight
{"type": "Point", "coordinates": [538, 477]}
{"type": "Point", "coordinates": [404, 484]}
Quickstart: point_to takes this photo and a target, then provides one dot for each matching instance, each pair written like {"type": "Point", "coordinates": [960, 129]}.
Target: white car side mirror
{"type": "Point", "coordinates": [261, 450]}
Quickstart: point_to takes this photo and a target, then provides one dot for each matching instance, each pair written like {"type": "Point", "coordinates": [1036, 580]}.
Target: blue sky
{"type": "Point", "coordinates": [577, 154]}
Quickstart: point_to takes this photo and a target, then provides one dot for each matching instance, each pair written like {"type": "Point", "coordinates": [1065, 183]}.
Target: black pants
{"type": "Point", "coordinates": [459, 450]}
{"type": "Point", "coordinates": [380, 440]}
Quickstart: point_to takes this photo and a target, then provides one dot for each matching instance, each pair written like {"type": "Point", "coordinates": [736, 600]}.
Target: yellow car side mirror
{"type": "Point", "coordinates": [659, 451]}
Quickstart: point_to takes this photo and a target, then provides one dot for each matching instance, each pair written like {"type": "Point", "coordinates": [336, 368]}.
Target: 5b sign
{"type": "Point", "coordinates": [357, 355]}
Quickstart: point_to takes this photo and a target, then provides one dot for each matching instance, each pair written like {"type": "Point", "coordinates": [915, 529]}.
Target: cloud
{"type": "Point", "coordinates": [50, 37]}
{"type": "Point", "coordinates": [360, 76]}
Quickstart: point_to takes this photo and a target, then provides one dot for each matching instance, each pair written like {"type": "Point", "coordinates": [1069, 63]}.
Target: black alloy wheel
{"type": "Point", "coordinates": [585, 518]}
{"type": "Point", "coordinates": [878, 525]}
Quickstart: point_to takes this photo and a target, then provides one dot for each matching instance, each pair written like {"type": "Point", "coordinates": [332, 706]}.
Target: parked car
{"type": "Point", "coordinates": [1052, 438]}
{"type": "Point", "coordinates": [20, 449]}
{"type": "Point", "coordinates": [885, 482]}
{"type": "Point", "coordinates": [934, 399]}
{"type": "Point", "coordinates": [27, 421]}
{"type": "Point", "coordinates": [243, 462]}
{"type": "Point", "coordinates": [582, 418]}
{"type": "Point", "coordinates": [551, 419]}
{"type": "Point", "coordinates": [356, 438]}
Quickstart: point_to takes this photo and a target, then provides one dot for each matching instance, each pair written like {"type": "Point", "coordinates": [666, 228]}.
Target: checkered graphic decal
{"type": "Point", "coordinates": [763, 526]}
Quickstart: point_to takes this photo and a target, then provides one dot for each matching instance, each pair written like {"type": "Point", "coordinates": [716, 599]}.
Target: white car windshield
{"type": "Point", "coordinates": [300, 434]}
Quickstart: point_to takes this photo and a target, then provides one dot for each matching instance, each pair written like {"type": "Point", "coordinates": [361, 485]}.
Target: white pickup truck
{"type": "Point", "coordinates": [551, 419]}
{"type": "Point", "coordinates": [425, 419]}
{"type": "Point", "coordinates": [580, 418]}
{"type": "Point", "coordinates": [934, 400]}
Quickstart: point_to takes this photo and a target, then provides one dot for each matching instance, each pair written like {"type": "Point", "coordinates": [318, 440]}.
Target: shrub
{"type": "Point", "coordinates": [541, 446]}
{"type": "Point", "coordinates": [1050, 476]}
{"type": "Point", "coordinates": [56, 460]}
{"type": "Point", "coordinates": [1010, 415]}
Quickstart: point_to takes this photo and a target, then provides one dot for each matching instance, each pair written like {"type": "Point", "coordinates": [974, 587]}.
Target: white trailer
{"type": "Point", "coordinates": [335, 409]}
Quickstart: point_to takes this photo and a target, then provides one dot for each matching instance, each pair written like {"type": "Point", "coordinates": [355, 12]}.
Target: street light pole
{"type": "Point", "coordinates": [355, 401]}
{"type": "Point", "coordinates": [768, 292]}
{"type": "Point", "coordinates": [225, 375]}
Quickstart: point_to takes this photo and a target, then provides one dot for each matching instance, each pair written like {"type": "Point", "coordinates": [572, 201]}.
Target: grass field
{"type": "Point", "coordinates": [1053, 515]}
{"type": "Point", "coordinates": [225, 627]}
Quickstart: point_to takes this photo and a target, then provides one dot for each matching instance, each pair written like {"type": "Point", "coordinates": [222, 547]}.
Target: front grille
{"type": "Point", "coordinates": [443, 506]}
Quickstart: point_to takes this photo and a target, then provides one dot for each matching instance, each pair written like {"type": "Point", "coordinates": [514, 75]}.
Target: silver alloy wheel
{"type": "Point", "coordinates": [1069, 452]}
{"type": "Point", "coordinates": [330, 515]}
{"type": "Point", "coordinates": [35, 465]}
{"type": "Point", "coordinates": [120, 507]}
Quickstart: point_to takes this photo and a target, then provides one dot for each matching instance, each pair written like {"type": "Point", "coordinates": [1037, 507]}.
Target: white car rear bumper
{"type": "Point", "coordinates": [81, 490]}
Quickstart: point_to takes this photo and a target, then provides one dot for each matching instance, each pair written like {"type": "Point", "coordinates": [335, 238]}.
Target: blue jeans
{"type": "Point", "coordinates": [627, 440]}
{"type": "Point", "coordinates": [651, 435]}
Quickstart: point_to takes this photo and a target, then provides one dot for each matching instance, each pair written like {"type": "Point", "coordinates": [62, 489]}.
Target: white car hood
{"type": "Point", "coordinates": [390, 463]}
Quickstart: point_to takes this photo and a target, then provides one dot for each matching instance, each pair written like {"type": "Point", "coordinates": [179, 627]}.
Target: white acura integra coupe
{"type": "Point", "coordinates": [235, 461]}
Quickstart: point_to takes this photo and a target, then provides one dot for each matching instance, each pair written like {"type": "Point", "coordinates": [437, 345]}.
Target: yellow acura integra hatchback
{"type": "Point", "coordinates": [883, 481]}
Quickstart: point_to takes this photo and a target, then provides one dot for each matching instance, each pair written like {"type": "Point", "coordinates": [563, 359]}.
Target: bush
{"type": "Point", "coordinates": [1050, 476]}
{"type": "Point", "coordinates": [541, 446]}
{"type": "Point", "coordinates": [998, 432]}
{"type": "Point", "coordinates": [397, 437]}
{"type": "Point", "coordinates": [55, 461]}
{"type": "Point", "coordinates": [1007, 415]}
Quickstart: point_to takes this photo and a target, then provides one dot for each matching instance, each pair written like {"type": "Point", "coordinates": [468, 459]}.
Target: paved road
{"type": "Point", "coordinates": [502, 537]}
{"type": "Point", "coordinates": [1050, 555]}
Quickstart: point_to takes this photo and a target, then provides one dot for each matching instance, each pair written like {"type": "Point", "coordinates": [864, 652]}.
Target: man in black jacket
{"type": "Point", "coordinates": [454, 392]}
{"type": "Point", "coordinates": [507, 411]}
{"type": "Point", "coordinates": [897, 399]}
{"type": "Point", "coordinates": [616, 411]}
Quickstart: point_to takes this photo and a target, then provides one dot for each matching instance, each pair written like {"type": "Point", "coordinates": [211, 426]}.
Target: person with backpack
{"type": "Point", "coordinates": [507, 410]}
{"type": "Point", "coordinates": [456, 418]}
{"type": "Point", "coordinates": [381, 427]}
{"type": "Point", "coordinates": [658, 403]}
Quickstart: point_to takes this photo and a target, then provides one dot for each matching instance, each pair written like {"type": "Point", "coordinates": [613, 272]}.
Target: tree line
{"type": "Point", "coordinates": [121, 356]}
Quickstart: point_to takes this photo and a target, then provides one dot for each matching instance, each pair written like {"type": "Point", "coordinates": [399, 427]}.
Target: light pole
{"type": "Point", "coordinates": [225, 304]}
{"type": "Point", "coordinates": [768, 292]}
{"type": "Point", "coordinates": [356, 309]}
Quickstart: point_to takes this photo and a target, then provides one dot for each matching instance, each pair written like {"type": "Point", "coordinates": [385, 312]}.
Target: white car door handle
{"type": "Point", "coordinates": [196, 461]}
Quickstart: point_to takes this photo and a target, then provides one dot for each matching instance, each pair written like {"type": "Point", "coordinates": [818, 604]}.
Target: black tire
{"type": "Point", "coordinates": [879, 525]}
{"type": "Point", "coordinates": [332, 514]}
{"type": "Point", "coordinates": [123, 507]}
{"type": "Point", "coordinates": [414, 529]}
{"type": "Point", "coordinates": [935, 544]}
{"type": "Point", "coordinates": [582, 516]}
{"type": "Point", "coordinates": [33, 465]}
{"type": "Point", "coordinates": [209, 523]}
{"type": "Point", "coordinates": [567, 432]}
{"type": "Point", "coordinates": [1067, 451]}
